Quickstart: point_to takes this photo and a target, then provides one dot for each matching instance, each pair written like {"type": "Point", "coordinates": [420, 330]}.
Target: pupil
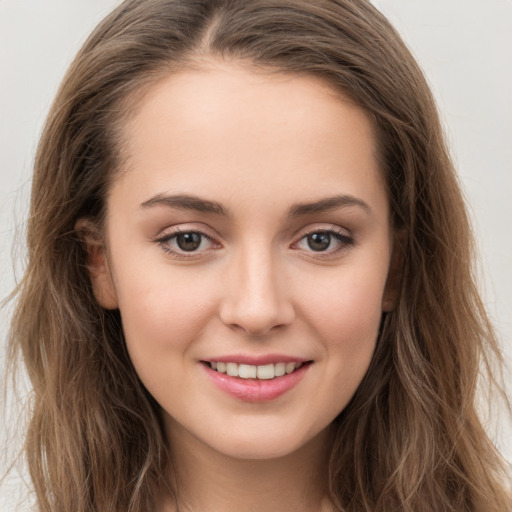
{"type": "Point", "coordinates": [188, 241]}
{"type": "Point", "coordinates": [319, 241]}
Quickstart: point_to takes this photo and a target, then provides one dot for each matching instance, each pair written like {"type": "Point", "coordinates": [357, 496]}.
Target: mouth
{"type": "Point", "coordinates": [261, 372]}
{"type": "Point", "coordinates": [256, 383]}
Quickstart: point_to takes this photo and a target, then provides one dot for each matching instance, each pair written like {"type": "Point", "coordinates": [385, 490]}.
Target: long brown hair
{"type": "Point", "coordinates": [410, 439]}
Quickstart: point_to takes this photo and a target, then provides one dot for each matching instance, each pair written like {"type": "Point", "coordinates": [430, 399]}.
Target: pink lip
{"type": "Point", "coordinates": [257, 360]}
{"type": "Point", "coordinates": [255, 390]}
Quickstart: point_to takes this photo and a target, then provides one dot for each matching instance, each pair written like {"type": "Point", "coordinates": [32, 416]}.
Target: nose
{"type": "Point", "coordinates": [256, 298]}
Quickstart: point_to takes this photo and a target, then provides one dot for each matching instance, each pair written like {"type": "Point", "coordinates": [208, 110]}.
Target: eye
{"type": "Point", "coordinates": [183, 243]}
{"type": "Point", "coordinates": [329, 241]}
{"type": "Point", "coordinates": [319, 241]}
{"type": "Point", "coordinates": [188, 241]}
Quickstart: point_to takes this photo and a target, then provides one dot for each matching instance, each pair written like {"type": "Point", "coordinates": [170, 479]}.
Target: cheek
{"type": "Point", "coordinates": [348, 330]}
{"type": "Point", "coordinates": [162, 314]}
{"type": "Point", "coordinates": [345, 313]}
{"type": "Point", "coordinates": [347, 308]}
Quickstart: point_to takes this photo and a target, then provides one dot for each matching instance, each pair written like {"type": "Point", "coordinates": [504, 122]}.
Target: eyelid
{"type": "Point", "coordinates": [325, 228]}
{"type": "Point", "coordinates": [184, 227]}
{"type": "Point", "coordinates": [172, 231]}
{"type": "Point", "coordinates": [345, 239]}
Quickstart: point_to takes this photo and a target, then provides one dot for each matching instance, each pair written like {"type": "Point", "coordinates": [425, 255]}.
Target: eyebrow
{"type": "Point", "coordinates": [198, 204]}
{"type": "Point", "coordinates": [186, 202]}
{"type": "Point", "coordinates": [328, 204]}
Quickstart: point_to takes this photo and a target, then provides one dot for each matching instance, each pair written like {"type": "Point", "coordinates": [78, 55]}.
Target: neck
{"type": "Point", "coordinates": [207, 480]}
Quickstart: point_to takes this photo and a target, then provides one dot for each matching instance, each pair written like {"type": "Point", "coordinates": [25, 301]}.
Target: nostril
{"type": "Point", "coordinates": [257, 322]}
{"type": "Point", "coordinates": [257, 330]}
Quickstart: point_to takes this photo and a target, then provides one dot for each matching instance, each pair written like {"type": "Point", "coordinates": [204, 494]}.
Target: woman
{"type": "Point", "coordinates": [242, 290]}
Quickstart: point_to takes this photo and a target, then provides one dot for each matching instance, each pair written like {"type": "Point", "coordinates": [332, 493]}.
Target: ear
{"type": "Point", "coordinates": [394, 279]}
{"type": "Point", "coordinates": [97, 264]}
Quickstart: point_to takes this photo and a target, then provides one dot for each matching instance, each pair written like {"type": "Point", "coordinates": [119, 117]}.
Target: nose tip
{"type": "Point", "coordinates": [256, 302]}
{"type": "Point", "coordinates": [257, 320]}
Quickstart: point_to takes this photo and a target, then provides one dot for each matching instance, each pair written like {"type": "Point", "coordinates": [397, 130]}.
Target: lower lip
{"type": "Point", "coordinates": [256, 390]}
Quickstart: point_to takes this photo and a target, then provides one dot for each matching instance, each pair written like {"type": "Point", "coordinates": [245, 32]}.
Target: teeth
{"type": "Point", "coordinates": [232, 369]}
{"type": "Point", "coordinates": [248, 371]}
{"type": "Point", "coordinates": [280, 369]}
{"type": "Point", "coordinates": [290, 367]}
{"type": "Point", "coordinates": [266, 372]}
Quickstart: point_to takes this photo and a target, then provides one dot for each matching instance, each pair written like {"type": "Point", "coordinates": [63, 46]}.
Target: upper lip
{"type": "Point", "coordinates": [256, 360]}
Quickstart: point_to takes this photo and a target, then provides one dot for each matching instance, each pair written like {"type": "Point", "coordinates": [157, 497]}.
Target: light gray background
{"type": "Point", "coordinates": [464, 46]}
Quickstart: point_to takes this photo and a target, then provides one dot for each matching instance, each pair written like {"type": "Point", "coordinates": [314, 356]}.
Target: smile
{"type": "Point", "coordinates": [249, 371]}
{"type": "Point", "coordinates": [256, 383]}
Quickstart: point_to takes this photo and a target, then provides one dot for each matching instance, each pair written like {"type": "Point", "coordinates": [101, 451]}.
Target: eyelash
{"type": "Point", "coordinates": [342, 238]}
{"type": "Point", "coordinates": [345, 242]}
{"type": "Point", "coordinates": [164, 240]}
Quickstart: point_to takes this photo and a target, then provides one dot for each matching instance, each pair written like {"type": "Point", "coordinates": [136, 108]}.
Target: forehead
{"type": "Point", "coordinates": [223, 126]}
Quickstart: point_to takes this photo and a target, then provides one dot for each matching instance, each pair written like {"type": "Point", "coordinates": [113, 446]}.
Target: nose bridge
{"type": "Point", "coordinates": [255, 298]}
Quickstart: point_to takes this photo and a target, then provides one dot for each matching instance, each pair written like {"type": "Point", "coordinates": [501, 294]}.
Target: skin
{"type": "Point", "coordinates": [258, 146]}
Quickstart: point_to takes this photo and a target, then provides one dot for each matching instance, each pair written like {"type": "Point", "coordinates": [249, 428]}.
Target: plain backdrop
{"type": "Point", "coordinates": [464, 47]}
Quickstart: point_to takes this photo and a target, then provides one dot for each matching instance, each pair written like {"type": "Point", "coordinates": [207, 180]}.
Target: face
{"type": "Point", "coordinates": [247, 248]}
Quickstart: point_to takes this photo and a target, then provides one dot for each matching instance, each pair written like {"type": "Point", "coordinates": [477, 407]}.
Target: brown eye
{"type": "Point", "coordinates": [189, 241]}
{"type": "Point", "coordinates": [186, 243]}
{"type": "Point", "coordinates": [319, 241]}
{"type": "Point", "coordinates": [325, 242]}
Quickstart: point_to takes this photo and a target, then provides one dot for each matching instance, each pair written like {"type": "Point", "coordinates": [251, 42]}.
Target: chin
{"type": "Point", "coordinates": [257, 450]}
{"type": "Point", "coordinates": [265, 445]}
